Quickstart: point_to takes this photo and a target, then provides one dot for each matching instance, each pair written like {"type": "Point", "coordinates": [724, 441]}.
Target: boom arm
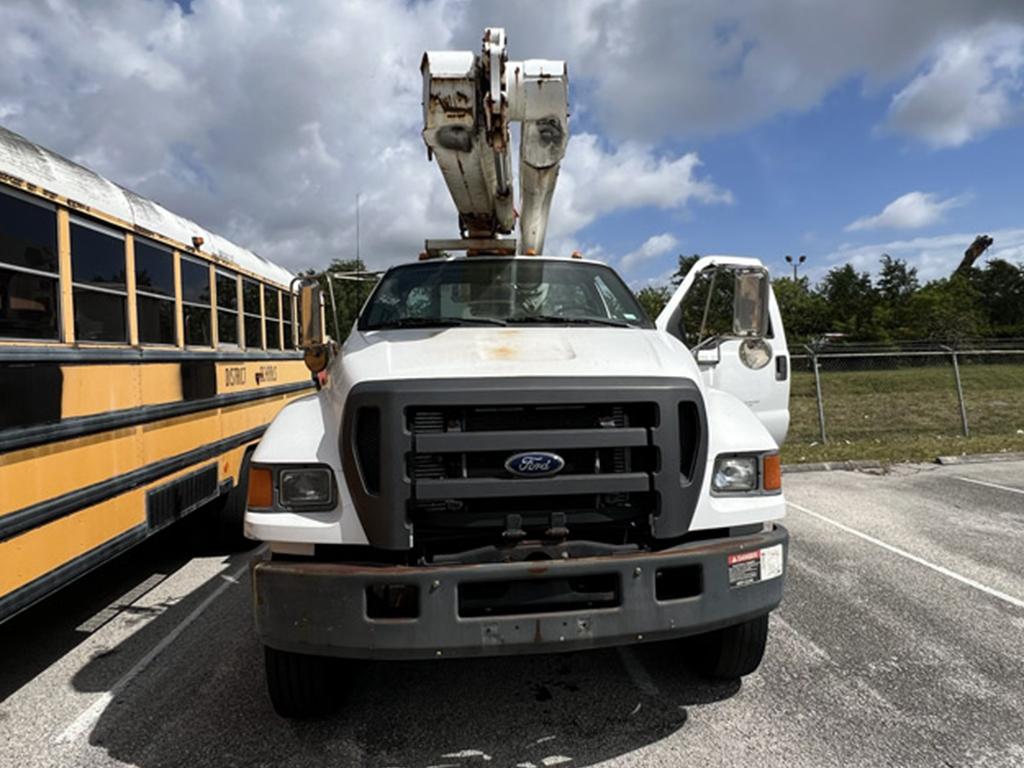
{"type": "Point", "coordinates": [469, 100]}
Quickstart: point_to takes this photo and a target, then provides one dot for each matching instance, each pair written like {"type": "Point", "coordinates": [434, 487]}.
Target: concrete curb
{"type": "Point", "coordinates": [979, 458]}
{"type": "Point", "coordinates": [854, 465]}
{"type": "Point", "coordinates": [850, 465]}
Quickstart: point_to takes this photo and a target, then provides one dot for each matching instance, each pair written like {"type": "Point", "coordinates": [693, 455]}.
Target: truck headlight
{"type": "Point", "coordinates": [306, 487]}
{"type": "Point", "coordinates": [747, 473]}
{"type": "Point", "coordinates": [735, 473]}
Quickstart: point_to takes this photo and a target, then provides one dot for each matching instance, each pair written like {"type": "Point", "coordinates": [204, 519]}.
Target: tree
{"type": "Point", "coordinates": [947, 310]}
{"type": "Point", "coordinates": [1000, 288]}
{"type": "Point", "coordinates": [685, 265]}
{"type": "Point", "coordinates": [896, 281]}
{"type": "Point", "coordinates": [653, 299]}
{"type": "Point", "coordinates": [851, 301]}
{"type": "Point", "coordinates": [348, 295]}
{"type": "Point", "coordinates": [805, 314]}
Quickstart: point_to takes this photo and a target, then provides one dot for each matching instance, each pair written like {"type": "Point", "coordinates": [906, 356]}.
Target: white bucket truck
{"type": "Point", "coordinates": [507, 456]}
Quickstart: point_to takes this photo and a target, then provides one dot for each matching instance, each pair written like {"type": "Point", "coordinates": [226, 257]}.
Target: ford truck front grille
{"type": "Point", "coordinates": [458, 461]}
{"type": "Point", "coordinates": [475, 441]}
{"type": "Point", "coordinates": [633, 452]}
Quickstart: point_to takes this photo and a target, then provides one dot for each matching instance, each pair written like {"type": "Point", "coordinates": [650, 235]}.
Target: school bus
{"type": "Point", "coordinates": [141, 358]}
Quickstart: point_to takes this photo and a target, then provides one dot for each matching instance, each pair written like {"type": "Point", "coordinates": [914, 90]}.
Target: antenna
{"type": "Point", "coordinates": [358, 196]}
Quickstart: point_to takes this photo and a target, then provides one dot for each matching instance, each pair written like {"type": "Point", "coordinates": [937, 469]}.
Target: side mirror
{"type": "Point", "coordinates": [311, 329]}
{"type": "Point", "coordinates": [750, 304]}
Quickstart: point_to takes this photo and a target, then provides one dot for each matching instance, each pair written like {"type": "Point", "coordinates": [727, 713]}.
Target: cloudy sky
{"type": "Point", "coordinates": [838, 130]}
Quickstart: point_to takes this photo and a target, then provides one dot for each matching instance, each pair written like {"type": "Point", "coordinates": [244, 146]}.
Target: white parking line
{"type": "Point", "coordinates": [102, 617]}
{"type": "Point", "coordinates": [91, 715]}
{"type": "Point", "coordinates": [919, 560]}
{"type": "Point", "coordinates": [989, 485]}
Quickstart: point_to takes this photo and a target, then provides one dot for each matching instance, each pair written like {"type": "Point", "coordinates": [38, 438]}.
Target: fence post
{"type": "Point", "coordinates": [959, 393]}
{"type": "Point", "coordinates": [817, 392]}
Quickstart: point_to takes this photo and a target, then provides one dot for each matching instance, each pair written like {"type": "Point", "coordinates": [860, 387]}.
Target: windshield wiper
{"type": "Point", "coordinates": [559, 320]}
{"type": "Point", "coordinates": [437, 322]}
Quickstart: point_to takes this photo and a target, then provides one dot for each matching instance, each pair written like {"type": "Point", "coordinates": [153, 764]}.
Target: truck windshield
{"type": "Point", "coordinates": [501, 291]}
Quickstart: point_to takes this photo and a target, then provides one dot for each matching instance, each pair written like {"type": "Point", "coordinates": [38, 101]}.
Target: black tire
{"type": "Point", "coordinates": [229, 513]}
{"type": "Point", "coordinates": [300, 685]}
{"type": "Point", "coordinates": [732, 652]}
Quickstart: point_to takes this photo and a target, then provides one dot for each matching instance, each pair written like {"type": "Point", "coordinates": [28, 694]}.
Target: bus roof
{"type": "Point", "coordinates": [39, 166]}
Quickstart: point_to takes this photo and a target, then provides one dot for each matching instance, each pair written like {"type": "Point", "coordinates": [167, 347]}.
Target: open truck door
{"type": "Point", "coordinates": [726, 313]}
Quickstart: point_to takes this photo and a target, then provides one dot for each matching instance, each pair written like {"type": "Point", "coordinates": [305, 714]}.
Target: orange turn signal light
{"type": "Point", "coordinates": [772, 472]}
{"type": "Point", "coordinates": [261, 487]}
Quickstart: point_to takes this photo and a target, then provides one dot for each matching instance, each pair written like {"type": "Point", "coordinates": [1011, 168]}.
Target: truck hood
{"type": "Point", "coordinates": [548, 351]}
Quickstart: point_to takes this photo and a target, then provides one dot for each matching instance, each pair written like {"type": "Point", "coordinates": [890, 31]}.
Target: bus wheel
{"type": "Point", "coordinates": [301, 685]}
{"type": "Point", "coordinates": [732, 652]}
{"type": "Point", "coordinates": [229, 513]}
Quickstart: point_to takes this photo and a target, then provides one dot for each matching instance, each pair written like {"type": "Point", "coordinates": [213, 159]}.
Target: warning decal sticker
{"type": "Point", "coordinates": [747, 568]}
{"type": "Point", "coordinates": [771, 562]}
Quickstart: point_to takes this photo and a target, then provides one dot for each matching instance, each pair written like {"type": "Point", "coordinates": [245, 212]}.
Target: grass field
{"type": "Point", "coordinates": [907, 414]}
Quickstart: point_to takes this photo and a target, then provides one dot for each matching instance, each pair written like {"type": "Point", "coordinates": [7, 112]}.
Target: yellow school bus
{"type": "Point", "coordinates": [141, 358]}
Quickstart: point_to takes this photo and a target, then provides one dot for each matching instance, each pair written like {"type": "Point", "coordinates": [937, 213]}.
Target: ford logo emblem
{"type": "Point", "coordinates": [535, 464]}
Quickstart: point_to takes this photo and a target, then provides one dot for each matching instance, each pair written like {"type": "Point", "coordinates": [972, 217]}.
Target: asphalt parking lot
{"type": "Point", "coordinates": [900, 642]}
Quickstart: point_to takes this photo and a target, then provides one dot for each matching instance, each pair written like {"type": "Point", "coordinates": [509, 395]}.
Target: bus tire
{"type": "Point", "coordinates": [229, 519]}
{"type": "Point", "coordinates": [732, 652]}
{"type": "Point", "coordinates": [300, 685]}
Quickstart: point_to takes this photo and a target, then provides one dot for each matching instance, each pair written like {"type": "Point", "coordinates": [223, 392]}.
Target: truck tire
{"type": "Point", "coordinates": [300, 685]}
{"type": "Point", "coordinates": [732, 652]}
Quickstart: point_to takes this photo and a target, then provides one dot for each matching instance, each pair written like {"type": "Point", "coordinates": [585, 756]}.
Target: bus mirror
{"type": "Point", "coordinates": [311, 330]}
{"type": "Point", "coordinates": [750, 304]}
{"type": "Point", "coordinates": [315, 357]}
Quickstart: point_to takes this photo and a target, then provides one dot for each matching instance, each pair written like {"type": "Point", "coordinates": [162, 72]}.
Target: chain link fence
{"type": "Point", "coordinates": [881, 393]}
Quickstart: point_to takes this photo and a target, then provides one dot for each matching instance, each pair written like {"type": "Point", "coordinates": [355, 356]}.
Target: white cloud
{"type": "Point", "coordinates": [934, 257]}
{"type": "Point", "coordinates": [973, 86]}
{"type": "Point", "coordinates": [595, 181]}
{"type": "Point", "coordinates": [661, 69]}
{"type": "Point", "coordinates": [913, 210]}
{"type": "Point", "coordinates": [563, 246]}
{"type": "Point", "coordinates": [260, 120]}
{"type": "Point", "coordinates": [263, 120]}
{"type": "Point", "coordinates": [652, 248]}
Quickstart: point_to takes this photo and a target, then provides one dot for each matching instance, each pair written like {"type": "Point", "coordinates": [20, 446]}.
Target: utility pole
{"type": "Point", "coordinates": [795, 262]}
{"type": "Point", "coordinates": [358, 196]}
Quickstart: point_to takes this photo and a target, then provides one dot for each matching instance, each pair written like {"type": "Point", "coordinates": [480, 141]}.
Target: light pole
{"type": "Point", "coordinates": [795, 262]}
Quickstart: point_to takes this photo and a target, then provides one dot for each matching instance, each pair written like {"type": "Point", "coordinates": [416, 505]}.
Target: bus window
{"type": "Point", "coordinates": [227, 308]}
{"type": "Point", "coordinates": [253, 315]}
{"type": "Point", "coordinates": [154, 286]}
{"type": "Point", "coordinates": [195, 299]}
{"type": "Point", "coordinates": [28, 270]}
{"type": "Point", "coordinates": [98, 277]}
{"type": "Point", "coordinates": [272, 310]}
{"type": "Point", "coordinates": [286, 313]}
{"type": "Point", "coordinates": [101, 444]}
